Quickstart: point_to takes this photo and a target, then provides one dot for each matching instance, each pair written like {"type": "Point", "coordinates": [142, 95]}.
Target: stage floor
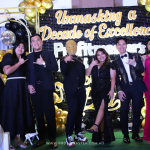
{"type": "Point", "coordinates": [118, 144]}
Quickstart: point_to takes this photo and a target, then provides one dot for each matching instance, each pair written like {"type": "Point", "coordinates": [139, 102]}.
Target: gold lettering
{"type": "Point", "coordinates": [142, 30]}
{"type": "Point", "coordinates": [92, 33]}
{"type": "Point", "coordinates": [101, 27]}
{"type": "Point", "coordinates": [54, 35]}
{"type": "Point", "coordinates": [94, 19]}
{"type": "Point", "coordinates": [136, 31]}
{"type": "Point", "coordinates": [79, 34]}
{"type": "Point", "coordinates": [59, 35]}
{"type": "Point", "coordinates": [78, 19]}
{"type": "Point", "coordinates": [44, 28]}
{"type": "Point", "coordinates": [132, 15]}
{"type": "Point", "coordinates": [123, 31]}
{"type": "Point", "coordinates": [58, 16]}
{"type": "Point", "coordinates": [117, 32]}
{"type": "Point", "coordinates": [147, 31]}
{"type": "Point", "coordinates": [118, 18]}
{"type": "Point", "coordinates": [87, 18]}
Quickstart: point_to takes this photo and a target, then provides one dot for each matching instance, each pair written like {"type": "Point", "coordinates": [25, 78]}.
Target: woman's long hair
{"type": "Point", "coordinates": [107, 60]}
{"type": "Point", "coordinates": [147, 51]}
{"type": "Point", "coordinates": [16, 44]}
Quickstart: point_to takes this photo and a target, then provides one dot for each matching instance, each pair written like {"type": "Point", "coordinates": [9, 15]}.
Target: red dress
{"type": "Point", "coordinates": [146, 135]}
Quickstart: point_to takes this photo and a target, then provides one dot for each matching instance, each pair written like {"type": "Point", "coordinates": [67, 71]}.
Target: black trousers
{"type": "Point", "coordinates": [136, 96]}
{"type": "Point", "coordinates": [43, 103]}
{"type": "Point", "coordinates": [76, 102]}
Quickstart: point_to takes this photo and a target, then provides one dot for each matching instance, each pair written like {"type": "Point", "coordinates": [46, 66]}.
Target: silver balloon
{"type": "Point", "coordinates": [8, 37]}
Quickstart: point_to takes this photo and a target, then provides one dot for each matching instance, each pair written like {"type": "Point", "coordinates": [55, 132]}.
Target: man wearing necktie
{"type": "Point", "coordinates": [130, 85]}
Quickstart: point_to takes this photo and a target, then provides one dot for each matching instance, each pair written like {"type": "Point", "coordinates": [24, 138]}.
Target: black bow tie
{"type": "Point", "coordinates": [124, 56]}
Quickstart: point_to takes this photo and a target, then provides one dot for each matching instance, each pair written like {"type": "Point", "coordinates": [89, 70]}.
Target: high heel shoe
{"type": "Point", "coordinates": [102, 140]}
{"type": "Point", "coordinates": [18, 142]}
{"type": "Point", "coordinates": [92, 130]}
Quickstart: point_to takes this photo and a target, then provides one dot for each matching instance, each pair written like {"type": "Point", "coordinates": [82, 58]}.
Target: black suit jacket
{"type": "Point", "coordinates": [134, 71]}
{"type": "Point", "coordinates": [47, 77]}
{"type": "Point", "coordinates": [71, 72]}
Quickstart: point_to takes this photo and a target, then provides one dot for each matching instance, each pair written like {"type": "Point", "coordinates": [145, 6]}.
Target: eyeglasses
{"type": "Point", "coordinates": [37, 40]}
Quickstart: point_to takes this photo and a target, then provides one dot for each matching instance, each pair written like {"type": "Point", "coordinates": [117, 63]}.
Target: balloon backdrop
{"type": "Point", "coordinates": [30, 12]}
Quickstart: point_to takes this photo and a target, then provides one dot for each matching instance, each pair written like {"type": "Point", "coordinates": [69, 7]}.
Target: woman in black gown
{"type": "Point", "coordinates": [103, 84]}
{"type": "Point", "coordinates": [17, 115]}
{"type": "Point", "coordinates": [2, 83]}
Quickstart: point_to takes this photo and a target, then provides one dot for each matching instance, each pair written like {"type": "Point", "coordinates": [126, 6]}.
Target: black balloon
{"type": "Point", "coordinates": [23, 21]}
{"type": "Point", "coordinates": [8, 26]}
{"type": "Point", "coordinates": [15, 26]}
{"type": "Point", "coordinates": [19, 34]}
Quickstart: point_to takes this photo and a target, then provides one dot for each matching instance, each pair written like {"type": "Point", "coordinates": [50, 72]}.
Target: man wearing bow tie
{"type": "Point", "coordinates": [130, 85]}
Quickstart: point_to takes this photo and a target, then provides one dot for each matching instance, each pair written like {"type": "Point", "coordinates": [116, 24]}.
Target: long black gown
{"type": "Point", "coordinates": [17, 114]}
{"type": "Point", "coordinates": [101, 85]}
{"type": "Point", "coordinates": [1, 90]}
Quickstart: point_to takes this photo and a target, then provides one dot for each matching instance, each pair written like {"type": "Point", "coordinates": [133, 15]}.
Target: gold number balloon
{"type": "Point", "coordinates": [30, 12]}
{"type": "Point", "coordinates": [29, 1]}
{"type": "Point", "coordinates": [37, 3]}
{"type": "Point", "coordinates": [41, 10]}
{"type": "Point", "coordinates": [22, 4]}
{"type": "Point", "coordinates": [143, 123]}
{"type": "Point", "coordinates": [33, 20]}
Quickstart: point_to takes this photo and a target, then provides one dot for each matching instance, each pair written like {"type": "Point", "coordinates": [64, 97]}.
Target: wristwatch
{"type": "Point", "coordinates": [43, 63]}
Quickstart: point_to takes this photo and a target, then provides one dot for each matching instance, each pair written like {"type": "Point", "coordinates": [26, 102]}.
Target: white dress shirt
{"type": "Point", "coordinates": [126, 66]}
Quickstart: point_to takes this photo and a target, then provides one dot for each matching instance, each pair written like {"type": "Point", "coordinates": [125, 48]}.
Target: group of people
{"type": "Point", "coordinates": [33, 74]}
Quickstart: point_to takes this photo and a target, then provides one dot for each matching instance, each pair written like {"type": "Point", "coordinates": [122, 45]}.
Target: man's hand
{"type": "Point", "coordinates": [68, 58]}
{"type": "Point", "coordinates": [132, 61]}
{"type": "Point", "coordinates": [39, 61]}
{"type": "Point", "coordinates": [122, 95]}
{"type": "Point", "coordinates": [31, 89]}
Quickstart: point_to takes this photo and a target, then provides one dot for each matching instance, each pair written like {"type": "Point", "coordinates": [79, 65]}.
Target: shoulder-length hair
{"type": "Point", "coordinates": [107, 60]}
{"type": "Point", "coordinates": [15, 45]}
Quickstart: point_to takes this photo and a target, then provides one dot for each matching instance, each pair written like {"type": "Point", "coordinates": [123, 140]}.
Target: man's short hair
{"type": "Point", "coordinates": [35, 35]}
{"type": "Point", "coordinates": [121, 38]}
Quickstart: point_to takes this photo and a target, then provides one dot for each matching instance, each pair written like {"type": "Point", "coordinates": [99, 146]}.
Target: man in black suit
{"type": "Point", "coordinates": [73, 70]}
{"type": "Point", "coordinates": [129, 68]}
{"type": "Point", "coordinates": [41, 86]}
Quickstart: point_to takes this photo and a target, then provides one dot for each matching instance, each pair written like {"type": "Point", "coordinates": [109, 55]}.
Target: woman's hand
{"type": "Point", "coordinates": [94, 62]}
{"type": "Point", "coordinates": [22, 61]}
{"type": "Point", "coordinates": [111, 94]}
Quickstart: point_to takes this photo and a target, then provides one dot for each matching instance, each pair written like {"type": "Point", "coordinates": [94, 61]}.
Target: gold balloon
{"type": "Point", "coordinates": [10, 50]}
{"type": "Point", "coordinates": [141, 2]}
{"type": "Point", "coordinates": [58, 128]}
{"type": "Point", "coordinates": [60, 120]}
{"type": "Point", "coordinates": [42, 10]}
{"type": "Point", "coordinates": [65, 119]}
{"type": "Point", "coordinates": [64, 113]}
{"type": "Point", "coordinates": [143, 123]}
{"type": "Point", "coordinates": [56, 98]}
{"type": "Point", "coordinates": [22, 4]}
{"type": "Point", "coordinates": [37, 3]}
{"type": "Point", "coordinates": [56, 107]}
{"type": "Point", "coordinates": [27, 53]}
{"type": "Point", "coordinates": [47, 4]}
{"type": "Point", "coordinates": [30, 12]}
{"type": "Point", "coordinates": [143, 110]}
{"type": "Point", "coordinates": [147, 5]}
{"type": "Point", "coordinates": [29, 1]}
{"type": "Point", "coordinates": [58, 112]}
{"type": "Point", "coordinates": [62, 128]}
{"type": "Point", "coordinates": [29, 23]}
{"type": "Point", "coordinates": [33, 20]}
{"type": "Point", "coordinates": [27, 18]}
